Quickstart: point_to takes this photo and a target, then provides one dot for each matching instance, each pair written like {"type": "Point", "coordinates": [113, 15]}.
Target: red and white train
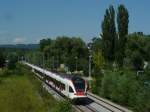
{"type": "Point", "coordinates": [73, 87]}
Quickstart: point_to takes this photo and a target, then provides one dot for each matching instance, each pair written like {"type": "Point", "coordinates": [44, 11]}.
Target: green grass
{"type": "Point", "coordinates": [20, 91]}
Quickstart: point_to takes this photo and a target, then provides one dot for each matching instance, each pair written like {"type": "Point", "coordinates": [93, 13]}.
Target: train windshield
{"type": "Point", "coordinates": [79, 84]}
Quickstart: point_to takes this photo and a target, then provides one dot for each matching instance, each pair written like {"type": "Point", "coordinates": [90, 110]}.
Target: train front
{"type": "Point", "coordinates": [79, 88]}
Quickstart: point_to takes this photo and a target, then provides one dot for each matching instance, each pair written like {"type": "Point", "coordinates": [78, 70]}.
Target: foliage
{"type": "Point", "coordinates": [19, 96]}
{"type": "Point", "coordinates": [126, 89]}
{"type": "Point", "coordinates": [12, 60]}
{"type": "Point", "coordinates": [96, 83]}
{"type": "Point", "coordinates": [142, 102]}
{"type": "Point", "coordinates": [63, 106]}
{"type": "Point", "coordinates": [44, 42]}
{"type": "Point", "coordinates": [137, 50]}
{"type": "Point", "coordinates": [96, 44]}
{"type": "Point", "coordinates": [21, 91]}
{"type": "Point", "coordinates": [109, 33]}
{"type": "Point", "coordinates": [137, 60]}
{"type": "Point", "coordinates": [2, 59]}
{"type": "Point", "coordinates": [113, 44]}
{"type": "Point", "coordinates": [62, 50]}
{"type": "Point", "coordinates": [122, 22]}
{"type": "Point", "coordinates": [98, 59]}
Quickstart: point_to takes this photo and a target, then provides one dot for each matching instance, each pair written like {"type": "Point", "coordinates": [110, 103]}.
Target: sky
{"type": "Point", "coordinates": [28, 21]}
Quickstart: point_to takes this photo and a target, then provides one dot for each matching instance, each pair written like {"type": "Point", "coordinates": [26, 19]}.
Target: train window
{"type": "Point", "coordinates": [70, 89]}
{"type": "Point", "coordinates": [79, 84]}
{"type": "Point", "coordinates": [63, 86]}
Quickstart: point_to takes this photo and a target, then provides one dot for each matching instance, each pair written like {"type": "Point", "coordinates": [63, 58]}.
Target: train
{"type": "Point", "coordinates": [71, 86]}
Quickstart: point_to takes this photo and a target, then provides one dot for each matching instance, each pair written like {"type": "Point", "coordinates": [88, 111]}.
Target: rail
{"type": "Point", "coordinates": [106, 103]}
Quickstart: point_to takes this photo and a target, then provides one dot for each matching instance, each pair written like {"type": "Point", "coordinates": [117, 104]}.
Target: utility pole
{"type": "Point", "coordinates": [90, 57]}
{"type": "Point", "coordinates": [43, 60]}
{"type": "Point", "coordinates": [76, 63]}
{"type": "Point", "coordinates": [43, 66]}
{"type": "Point", "coordinates": [53, 62]}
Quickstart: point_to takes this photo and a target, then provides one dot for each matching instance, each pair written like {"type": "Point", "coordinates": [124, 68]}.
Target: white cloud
{"type": "Point", "coordinates": [19, 40]}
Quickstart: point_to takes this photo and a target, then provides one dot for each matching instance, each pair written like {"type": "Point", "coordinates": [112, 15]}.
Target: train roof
{"type": "Point", "coordinates": [61, 75]}
{"type": "Point", "coordinates": [67, 76]}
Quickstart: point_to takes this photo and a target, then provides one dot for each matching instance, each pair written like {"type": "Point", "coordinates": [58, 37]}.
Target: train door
{"type": "Point", "coordinates": [71, 92]}
{"type": "Point", "coordinates": [66, 90]}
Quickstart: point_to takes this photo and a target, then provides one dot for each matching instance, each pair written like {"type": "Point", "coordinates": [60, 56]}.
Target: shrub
{"type": "Point", "coordinates": [63, 106]}
{"type": "Point", "coordinates": [6, 73]}
{"type": "Point", "coordinates": [108, 84]}
{"type": "Point", "coordinates": [2, 60]}
{"type": "Point", "coordinates": [12, 61]}
{"type": "Point", "coordinates": [120, 87]}
{"type": "Point", "coordinates": [142, 103]}
{"type": "Point", "coordinates": [137, 60]}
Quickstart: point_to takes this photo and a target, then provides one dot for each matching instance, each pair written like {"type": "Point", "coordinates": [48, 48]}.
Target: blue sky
{"type": "Point", "coordinates": [28, 21]}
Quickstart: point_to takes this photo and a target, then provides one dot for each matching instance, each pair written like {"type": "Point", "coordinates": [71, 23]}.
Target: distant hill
{"type": "Point", "coordinates": [20, 46]}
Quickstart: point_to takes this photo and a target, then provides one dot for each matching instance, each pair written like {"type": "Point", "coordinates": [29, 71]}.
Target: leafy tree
{"type": "Point", "coordinates": [109, 33]}
{"type": "Point", "coordinates": [44, 42]}
{"type": "Point", "coordinates": [142, 102]}
{"type": "Point", "coordinates": [64, 50]}
{"type": "Point", "coordinates": [137, 48]}
{"type": "Point", "coordinates": [2, 60]}
{"type": "Point", "coordinates": [122, 22]}
{"type": "Point", "coordinates": [12, 58]}
{"type": "Point", "coordinates": [137, 61]}
{"type": "Point", "coordinates": [98, 59]}
{"type": "Point", "coordinates": [96, 44]}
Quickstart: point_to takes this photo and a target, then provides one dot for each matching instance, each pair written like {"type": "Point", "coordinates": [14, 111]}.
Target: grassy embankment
{"type": "Point", "coordinates": [20, 91]}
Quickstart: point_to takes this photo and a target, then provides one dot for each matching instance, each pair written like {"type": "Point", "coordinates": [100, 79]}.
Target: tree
{"type": "Point", "coordinates": [12, 58]}
{"type": "Point", "coordinates": [137, 61]}
{"type": "Point", "coordinates": [113, 31]}
{"type": "Point", "coordinates": [109, 34]}
{"type": "Point", "coordinates": [137, 50]}
{"type": "Point", "coordinates": [96, 44]}
{"type": "Point", "coordinates": [2, 60]}
{"type": "Point", "coordinates": [44, 42]}
{"type": "Point", "coordinates": [98, 59]}
{"type": "Point", "coordinates": [63, 50]}
{"type": "Point", "coordinates": [122, 22]}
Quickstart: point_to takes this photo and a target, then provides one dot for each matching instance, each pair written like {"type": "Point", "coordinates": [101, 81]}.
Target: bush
{"type": "Point", "coordinates": [12, 61]}
{"type": "Point", "coordinates": [137, 60]}
{"type": "Point", "coordinates": [108, 84]}
{"type": "Point", "coordinates": [125, 89]}
{"type": "Point", "coordinates": [142, 103]}
{"type": "Point", "coordinates": [96, 82]}
{"type": "Point", "coordinates": [5, 73]}
{"type": "Point", "coordinates": [63, 106]}
{"type": "Point", "coordinates": [2, 59]}
{"type": "Point", "coordinates": [120, 87]}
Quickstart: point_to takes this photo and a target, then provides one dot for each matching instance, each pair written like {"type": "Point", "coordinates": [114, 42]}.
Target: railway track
{"type": "Point", "coordinates": [112, 107]}
{"type": "Point", "coordinates": [93, 103]}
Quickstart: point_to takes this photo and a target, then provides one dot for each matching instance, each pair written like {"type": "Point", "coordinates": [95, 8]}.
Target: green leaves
{"type": "Point", "coordinates": [113, 44]}
{"type": "Point", "coordinates": [109, 33]}
{"type": "Point", "coordinates": [122, 22]}
{"type": "Point", "coordinates": [12, 60]}
{"type": "Point", "coordinates": [2, 60]}
{"type": "Point", "coordinates": [98, 59]}
{"type": "Point", "coordinates": [137, 60]}
{"type": "Point", "coordinates": [63, 106]}
{"type": "Point", "coordinates": [63, 50]}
